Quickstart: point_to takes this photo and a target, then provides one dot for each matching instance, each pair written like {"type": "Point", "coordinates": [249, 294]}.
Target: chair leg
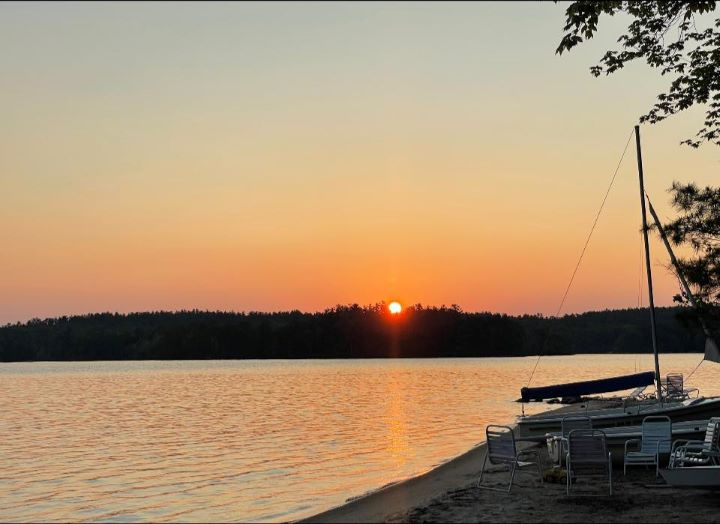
{"type": "Point", "coordinates": [610, 472]}
{"type": "Point", "coordinates": [540, 472]}
{"type": "Point", "coordinates": [482, 470]}
{"type": "Point", "coordinates": [567, 476]}
{"type": "Point", "coordinates": [512, 476]}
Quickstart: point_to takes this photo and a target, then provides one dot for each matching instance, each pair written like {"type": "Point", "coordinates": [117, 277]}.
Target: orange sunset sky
{"type": "Point", "coordinates": [281, 156]}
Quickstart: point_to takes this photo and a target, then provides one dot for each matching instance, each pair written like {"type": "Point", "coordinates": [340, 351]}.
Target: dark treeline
{"type": "Point", "coordinates": [340, 332]}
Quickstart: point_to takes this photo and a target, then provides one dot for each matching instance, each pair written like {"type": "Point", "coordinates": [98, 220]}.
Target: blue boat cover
{"type": "Point", "coordinates": [589, 387]}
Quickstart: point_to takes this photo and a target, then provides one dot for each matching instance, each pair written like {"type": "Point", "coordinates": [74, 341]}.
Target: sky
{"type": "Point", "coordinates": [275, 156]}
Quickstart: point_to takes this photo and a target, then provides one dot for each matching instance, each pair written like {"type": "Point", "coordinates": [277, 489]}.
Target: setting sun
{"type": "Point", "coordinates": [395, 307]}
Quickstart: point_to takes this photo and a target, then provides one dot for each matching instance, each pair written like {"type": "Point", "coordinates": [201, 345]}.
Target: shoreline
{"type": "Point", "coordinates": [395, 499]}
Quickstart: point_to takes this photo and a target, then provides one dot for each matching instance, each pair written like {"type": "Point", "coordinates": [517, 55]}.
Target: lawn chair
{"type": "Point", "coordinates": [502, 450]}
{"type": "Point", "coordinates": [568, 424]}
{"type": "Point", "coordinates": [673, 388]}
{"type": "Point", "coordinates": [588, 457]}
{"type": "Point", "coordinates": [656, 440]}
{"type": "Point", "coordinates": [698, 452]}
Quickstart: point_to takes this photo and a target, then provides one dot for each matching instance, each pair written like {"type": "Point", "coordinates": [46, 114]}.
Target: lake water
{"type": "Point", "coordinates": [254, 440]}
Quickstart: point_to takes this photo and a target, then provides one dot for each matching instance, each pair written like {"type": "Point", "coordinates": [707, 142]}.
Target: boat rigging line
{"type": "Point", "coordinates": [582, 254]}
{"type": "Point", "coordinates": [711, 350]}
{"type": "Point", "coordinates": [696, 368]}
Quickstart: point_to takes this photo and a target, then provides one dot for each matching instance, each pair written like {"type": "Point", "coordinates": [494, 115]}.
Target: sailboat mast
{"type": "Point", "coordinates": [647, 262]}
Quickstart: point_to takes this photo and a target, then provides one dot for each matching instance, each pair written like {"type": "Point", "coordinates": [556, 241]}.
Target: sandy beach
{"type": "Point", "coordinates": [637, 497]}
{"type": "Point", "coordinates": [449, 493]}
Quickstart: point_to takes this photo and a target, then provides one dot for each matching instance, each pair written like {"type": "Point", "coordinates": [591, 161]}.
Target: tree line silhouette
{"type": "Point", "coordinates": [341, 332]}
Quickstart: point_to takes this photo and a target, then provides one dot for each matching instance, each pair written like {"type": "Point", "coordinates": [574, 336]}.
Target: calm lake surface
{"type": "Point", "coordinates": [254, 440]}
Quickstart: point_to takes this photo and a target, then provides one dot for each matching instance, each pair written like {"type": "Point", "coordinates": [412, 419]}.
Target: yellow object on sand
{"type": "Point", "coordinates": [555, 475]}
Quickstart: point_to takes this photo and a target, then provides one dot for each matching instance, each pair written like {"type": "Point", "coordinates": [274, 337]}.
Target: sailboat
{"type": "Point", "coordinates": [695, 409]}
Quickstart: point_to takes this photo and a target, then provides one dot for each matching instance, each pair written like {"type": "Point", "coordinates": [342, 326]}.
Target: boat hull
{"type": "Point", "coordinates": [616, 438]}
{"type": "Point", "coordinates": [538, 426]}
{"type": "Point", "coordinates": [693, 477]}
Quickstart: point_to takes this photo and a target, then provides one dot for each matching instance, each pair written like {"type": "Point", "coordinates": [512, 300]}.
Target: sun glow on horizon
{"type": "Point", "coordinates": [395, 307]}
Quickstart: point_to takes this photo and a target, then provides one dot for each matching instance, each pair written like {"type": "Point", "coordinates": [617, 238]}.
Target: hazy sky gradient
{"type": "Point", "coordinates": [280, 156]}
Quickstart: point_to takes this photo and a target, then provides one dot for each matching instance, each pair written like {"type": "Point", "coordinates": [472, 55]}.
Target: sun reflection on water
{"type": "Point", "coordinates": [398, 447]}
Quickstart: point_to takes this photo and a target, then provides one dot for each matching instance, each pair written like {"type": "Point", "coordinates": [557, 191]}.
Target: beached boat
{"type": "Point", "coordinates": [538, 426]}
{"type": "Point", "coordinates": [685, 410]}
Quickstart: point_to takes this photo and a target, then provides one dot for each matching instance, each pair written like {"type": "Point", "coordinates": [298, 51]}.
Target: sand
{"type": "Point", "coordinates": [449, 493]}
{"type": "Point", "coordinates": [637, 498]}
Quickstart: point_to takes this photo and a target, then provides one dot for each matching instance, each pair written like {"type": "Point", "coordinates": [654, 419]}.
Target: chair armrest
{"type": "Point", "coordinates": [688, 444]}
{"type": "Point", "coordinates": [694, 444]}
{"type": "Point", "coordinates": [682, 452]}
{"type": "Point", "coordinates": [530, 451]}
{"type": "Point", "coordinates": [634, 440]}
{"type": "Point", "coordinates": [679, 443]}
{"type": "Point", "coordinates": [694, 449]}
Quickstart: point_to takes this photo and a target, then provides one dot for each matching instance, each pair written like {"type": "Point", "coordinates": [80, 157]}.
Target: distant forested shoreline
{"type": "Point", "coordinates": [341, 332]}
